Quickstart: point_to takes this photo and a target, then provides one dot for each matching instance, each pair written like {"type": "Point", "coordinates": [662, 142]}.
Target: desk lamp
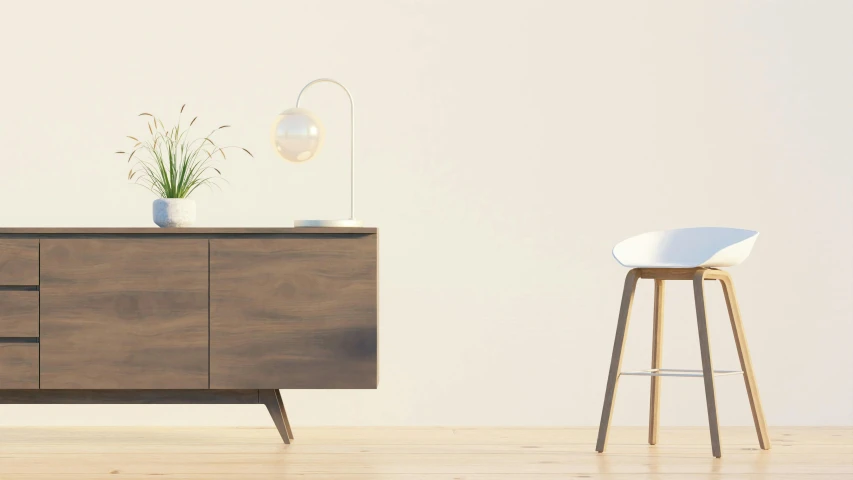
{"type": "Point", "coordinates": [298, 136]}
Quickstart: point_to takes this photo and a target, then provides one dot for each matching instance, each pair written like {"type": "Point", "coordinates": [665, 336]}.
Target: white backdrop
{"type": "Point", "coordinates": [503, 148]}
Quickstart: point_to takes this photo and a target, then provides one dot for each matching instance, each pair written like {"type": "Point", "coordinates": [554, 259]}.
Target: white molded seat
{"type": "Point", "coordinates": [686, 248]}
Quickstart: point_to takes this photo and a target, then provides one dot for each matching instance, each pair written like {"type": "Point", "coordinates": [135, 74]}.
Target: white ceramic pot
{"type": "Point", "coordinates": [174, 212]}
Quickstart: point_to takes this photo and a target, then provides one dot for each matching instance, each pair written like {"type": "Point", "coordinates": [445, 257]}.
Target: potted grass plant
{"type": "Point", "coordinates": [173, 164]}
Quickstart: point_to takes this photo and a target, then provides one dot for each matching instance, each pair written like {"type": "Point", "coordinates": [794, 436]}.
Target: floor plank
{"type": "Point", "coordinates": [487, 476]}
{"type": "Point", "coordinates": [414, 453]}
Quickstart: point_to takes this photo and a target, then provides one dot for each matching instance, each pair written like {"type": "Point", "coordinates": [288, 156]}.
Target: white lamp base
{"type": "Point", "coordinates": [327, 223]}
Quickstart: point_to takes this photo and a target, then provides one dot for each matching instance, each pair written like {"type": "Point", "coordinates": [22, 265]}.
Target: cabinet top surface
{"type": "Point", "coordinates": [155, 231]}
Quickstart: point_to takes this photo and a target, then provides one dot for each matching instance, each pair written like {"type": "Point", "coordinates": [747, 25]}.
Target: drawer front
{"type": "Point", "coordinates": [19, 366]}
{"type": "Point", "coordinates": [19, 261]}
{"type": "Point", "coordinates": [293, 313]}
{"type": "Point", "coordinates": [19, 314]}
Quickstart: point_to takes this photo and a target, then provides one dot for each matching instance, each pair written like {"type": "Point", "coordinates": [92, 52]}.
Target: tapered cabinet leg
{"type": "Point", "coordinates": [707, 370]}
{"type": "Point", "coordinates": [272, 401]}
{"type": "Point", "coordinates": [616, 358]}
{"type": "Point", "coordinates": [284, 414]}
{"type": "Point", "coordinates": [657, 348]}
{"type": "Point", "coordinates": [745, 363]}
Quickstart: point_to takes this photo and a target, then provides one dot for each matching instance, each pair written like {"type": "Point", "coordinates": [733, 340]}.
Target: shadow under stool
{"type": "Point", "coordinates": [686, 255]}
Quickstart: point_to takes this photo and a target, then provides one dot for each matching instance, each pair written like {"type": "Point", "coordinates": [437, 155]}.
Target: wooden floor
{"type": "Point", "coordinates": [418, 453]}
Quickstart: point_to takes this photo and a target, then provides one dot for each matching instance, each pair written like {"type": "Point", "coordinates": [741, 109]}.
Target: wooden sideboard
{"type": "Point", "coordinates": [186, 315]}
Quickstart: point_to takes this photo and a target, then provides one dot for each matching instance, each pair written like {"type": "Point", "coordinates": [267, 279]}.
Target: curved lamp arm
{"type": "Point", "coordinates": [352, 135]}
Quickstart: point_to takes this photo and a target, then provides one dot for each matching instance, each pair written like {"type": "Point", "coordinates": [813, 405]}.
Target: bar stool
{"type": "Point", "coordinates": [683, 254]}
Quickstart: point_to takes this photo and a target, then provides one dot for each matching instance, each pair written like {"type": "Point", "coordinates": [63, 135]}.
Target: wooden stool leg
{"type": "Point", "coordinates": [657, 348]}
{"type": "Point", "coordinates": [707, 370]}
{"type": "Point", "coordinates": [745, 363]}
{"type": "Point", "coordinates": [616, 358]}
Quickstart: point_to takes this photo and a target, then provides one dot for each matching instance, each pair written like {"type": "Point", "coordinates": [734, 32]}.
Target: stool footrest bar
{"type": "Point", "coordinates": [677, 372]}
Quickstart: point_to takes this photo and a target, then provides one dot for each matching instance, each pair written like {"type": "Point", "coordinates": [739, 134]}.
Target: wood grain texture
{"type": "Point", "coordinates": [19, 261]}
{"type": "Point", "coordinates": [293, 313]}
{"type": "Point", "coordinates": [707, 367]}
{"type": "Point", "coordinates": [124, 313]}
{"type": "Point", "coordinates": [19, 313]}
{"type": "Point", "coordinates": [657, 351]}
{"type": "Point", "coordinates": [128, 396]}
{"type": "Point", "coordinates": [19, 365]}
{"type": "Point", "coordinates": [681, 273]}
{"type": "Point", "coordinates": [745, 363]}
{"type": "Point", "coordinates": [616, 357]}
{"type": "Point", "coordinates": [411, 453]}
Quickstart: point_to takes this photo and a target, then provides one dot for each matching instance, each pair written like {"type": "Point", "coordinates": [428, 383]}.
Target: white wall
{"type": "Point", "coordinates": [503, 147]}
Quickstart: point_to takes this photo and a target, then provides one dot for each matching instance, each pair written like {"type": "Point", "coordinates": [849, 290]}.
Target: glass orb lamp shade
{"type": "Point", "coordinates": [297, 135]}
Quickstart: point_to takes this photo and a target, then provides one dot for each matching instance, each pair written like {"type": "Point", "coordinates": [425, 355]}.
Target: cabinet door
{"type": "Point", "coordinates": [293, 312]}
{"type": "Point", "coordinates": [124, 313]}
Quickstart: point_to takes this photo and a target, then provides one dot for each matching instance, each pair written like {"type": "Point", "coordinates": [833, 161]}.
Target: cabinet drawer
{"type": "Point", "coordinates": [19, 314]}
{"type": "Point", "coordinates": [19, 261]}
{"type": "Point", "coordinates": [19, 365]}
